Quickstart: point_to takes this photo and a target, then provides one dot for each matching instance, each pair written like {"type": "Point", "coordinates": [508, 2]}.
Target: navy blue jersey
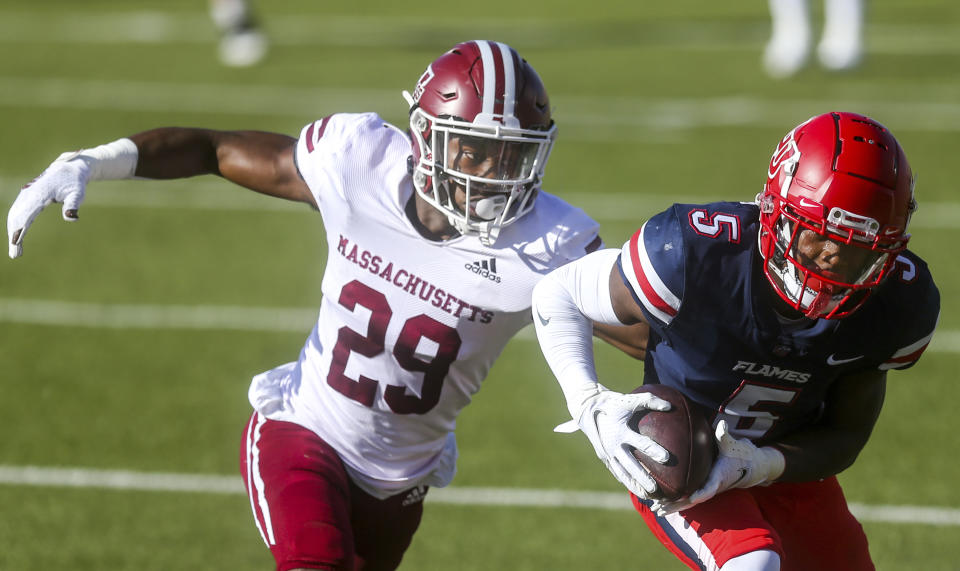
{"type": "Point", "coordinates": [696, 272]}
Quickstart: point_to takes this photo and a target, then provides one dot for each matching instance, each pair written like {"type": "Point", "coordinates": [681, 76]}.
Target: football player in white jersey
{"type": "Point", "coordinates": [436, 239]}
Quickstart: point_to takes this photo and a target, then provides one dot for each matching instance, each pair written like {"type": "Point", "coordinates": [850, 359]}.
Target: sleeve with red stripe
{"type": "Point", "coordinates": [651, 264]}
{"type": "Point", "coordinates": [315, 153]}
{"type": "Point", "coordinates": [913, 302]}
{"type": "Point", "coordinates": [321, 148]}
{"type": "Point", "coordinates": [907, 356]}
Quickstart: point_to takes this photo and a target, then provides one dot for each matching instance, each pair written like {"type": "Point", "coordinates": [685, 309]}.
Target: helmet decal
{"type": "Point", "coordinates": [422, 84]}
{"type": "Point", "coordinates": [785, 157]}
{"type": "Point", "coordinates": [498, 77]}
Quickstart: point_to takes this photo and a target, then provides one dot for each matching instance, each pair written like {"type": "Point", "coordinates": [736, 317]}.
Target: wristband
{"type": "Point", "coordinates": [111, 161]}
{"type": "Point", "coordinates": [774, 462]}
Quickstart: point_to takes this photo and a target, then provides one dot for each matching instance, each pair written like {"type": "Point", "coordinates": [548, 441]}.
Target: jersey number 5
{"type": "Point", "coordinates": [713, 225]}
{"type": "Point", "coordinates": [416, 329]}
{"type": "Point", "coordinates": [751, 411]}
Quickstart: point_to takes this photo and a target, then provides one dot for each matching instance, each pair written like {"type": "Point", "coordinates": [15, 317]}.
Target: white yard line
{"type": "Point", "coordinates": [472, 496]}
{"type": "Point", "coordinates": [583, 117]}
{"type": "Point", "coordinates": [137, 316]}
{"type": "Point", "coordinates": [216, 317]}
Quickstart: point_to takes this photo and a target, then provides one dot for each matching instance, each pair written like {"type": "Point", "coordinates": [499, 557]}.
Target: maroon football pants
{"type": "Point", "coordinates": [308, 511]}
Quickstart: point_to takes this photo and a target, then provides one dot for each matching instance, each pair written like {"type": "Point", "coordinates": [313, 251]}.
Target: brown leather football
{"type": "Point", "coordinates": [686, 433]}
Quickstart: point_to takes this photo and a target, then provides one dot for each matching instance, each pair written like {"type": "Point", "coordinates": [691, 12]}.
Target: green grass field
{"type": "Point", "coordinates": [656, 102]}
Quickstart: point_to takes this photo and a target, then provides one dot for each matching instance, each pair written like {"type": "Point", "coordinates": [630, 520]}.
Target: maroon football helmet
{"type": "Point", "coordinates": [840, 180]}
{"type": "Point", "coordinates": [480, 95]}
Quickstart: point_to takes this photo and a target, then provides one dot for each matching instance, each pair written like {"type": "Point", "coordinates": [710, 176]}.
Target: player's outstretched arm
{"type": "Point", "coordinates": [257, 160]}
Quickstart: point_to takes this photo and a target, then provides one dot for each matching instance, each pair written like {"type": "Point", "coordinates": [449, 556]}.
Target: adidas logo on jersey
{"type": "Point", "coordinates": [414, 495]}
{"type": "Point", "coordinates": [485, 268]}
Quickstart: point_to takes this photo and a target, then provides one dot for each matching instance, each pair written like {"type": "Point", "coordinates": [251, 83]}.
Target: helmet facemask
{"type": "Point", "coordinates": [496, 169]}
{"type": "Point", "coordinates": [785, 243]}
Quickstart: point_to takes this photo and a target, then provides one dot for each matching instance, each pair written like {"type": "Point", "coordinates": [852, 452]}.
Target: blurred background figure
{"type": "Point", "coordinates": [242, 42]}
{"type": "Point", "coordinates": [841, 42]}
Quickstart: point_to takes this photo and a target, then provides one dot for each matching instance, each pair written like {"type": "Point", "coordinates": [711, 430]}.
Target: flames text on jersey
{"type": "Point", "coordinates": [411, 283]}
{"type": "Point", "coordinates": [771, 371]}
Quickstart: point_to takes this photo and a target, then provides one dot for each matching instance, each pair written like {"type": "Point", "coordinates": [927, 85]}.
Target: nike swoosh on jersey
{"type": "Point", "coordinates": [543, 321]}
{"type": "Point", "coordinates": [832, 361]}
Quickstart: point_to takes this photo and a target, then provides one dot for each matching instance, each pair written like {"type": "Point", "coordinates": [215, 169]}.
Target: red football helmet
{"type": "Point", "coordinates": [483, 95]}
{"type": "Point", "coordinates": [838, 186]}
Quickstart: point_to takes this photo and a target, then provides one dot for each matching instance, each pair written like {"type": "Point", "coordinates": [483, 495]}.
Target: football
{"type": "Point", "coordinates": [686, 433]}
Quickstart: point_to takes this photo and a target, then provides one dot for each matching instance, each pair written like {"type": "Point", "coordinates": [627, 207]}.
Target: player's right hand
{"type": "Point", "coordinates": [64, 181]}
{"type": "Point", "coordinates": [603, 419]}
{"type": "Point", "coordinates": [740, 464]}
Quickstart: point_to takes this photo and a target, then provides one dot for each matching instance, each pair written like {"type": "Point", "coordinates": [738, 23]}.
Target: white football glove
{"type": "Point", "coordinates": [64, 181]}
{"type": "Point", "coordinates": [603, 419]}
{"type": "Point", "coordinates": [739, 464]}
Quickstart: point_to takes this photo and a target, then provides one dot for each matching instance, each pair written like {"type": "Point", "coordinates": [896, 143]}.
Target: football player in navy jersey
{"type": "Point", "coordinates": [778, 318]}
{"type": "Point", "coordinates": [436, 237]}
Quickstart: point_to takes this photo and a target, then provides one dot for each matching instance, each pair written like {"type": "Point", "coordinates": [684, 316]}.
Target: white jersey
{"type": "Point", "coordinates": [408, 327]}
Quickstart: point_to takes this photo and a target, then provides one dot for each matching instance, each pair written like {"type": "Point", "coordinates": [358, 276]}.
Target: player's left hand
{"type": "Point", "coordinates": [739, 464]}
{"type": "Point", "coordinates": [64, 181]}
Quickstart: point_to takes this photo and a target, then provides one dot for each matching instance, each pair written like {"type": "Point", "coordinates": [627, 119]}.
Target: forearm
{"type": "Point", "coordinates": [831, 445]}
{"type": "Point", "coordinates": [565, 303]}
{"type": "Point", "coordinates": [257, 160]}
{"type": "Point", "coordinates": [176, 152]}
{"type": "Point", "coordinates": [819, 453]}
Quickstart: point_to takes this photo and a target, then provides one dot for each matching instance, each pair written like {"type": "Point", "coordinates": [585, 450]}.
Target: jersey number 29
{"type": "Point", "coordinates": [414, 330]}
